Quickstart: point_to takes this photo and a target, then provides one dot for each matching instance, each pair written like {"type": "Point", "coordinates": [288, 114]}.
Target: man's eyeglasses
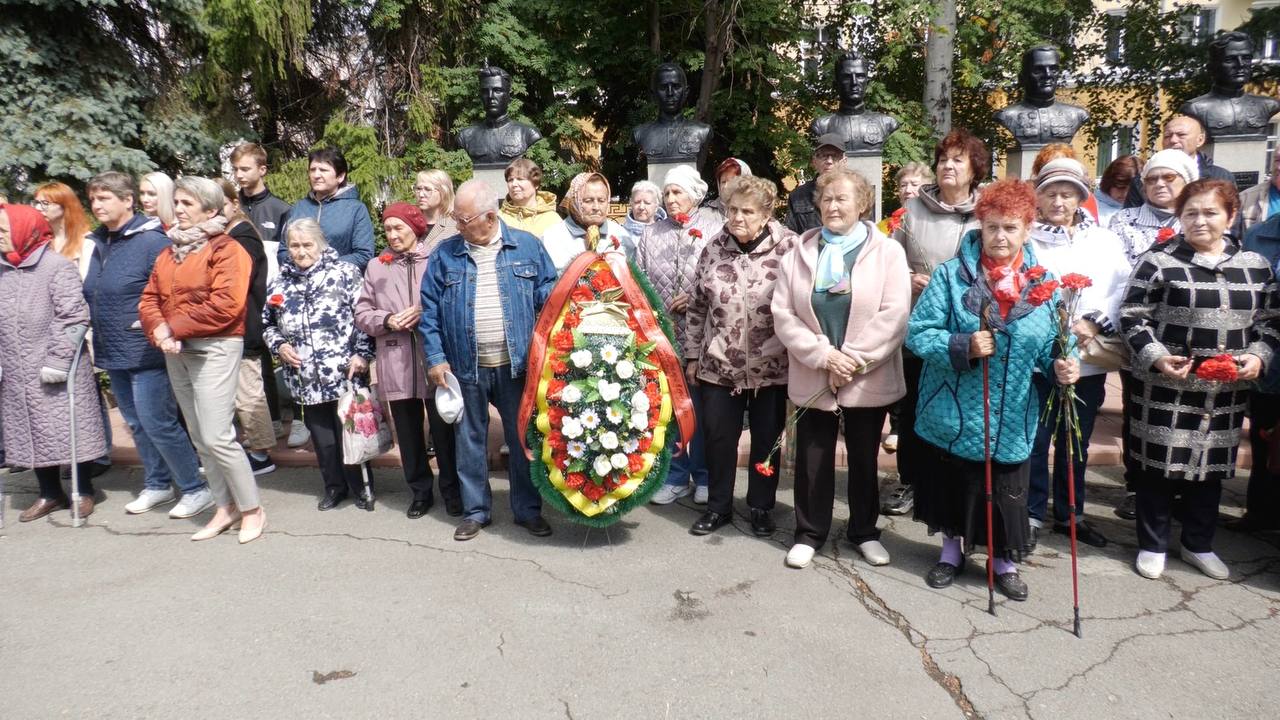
{"type": "Point", "coordinates": [460, 221]}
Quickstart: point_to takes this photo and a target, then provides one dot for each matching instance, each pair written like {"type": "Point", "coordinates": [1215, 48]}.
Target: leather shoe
{"type": "Point", "coordinates": [710, 522]}
{"type": "Point", "coordinates": [1084, 533]}
{"type": "Point", "coordinates": [418, 508]}
{"type": "Point", "coordinates": [762, 523]}
{"type": "Point", "coordinates": [86, 506]}
{"type": "Point", "coordinates": [537, 526]}
{"type": "Point", "coordinates": [453, 507]}
{"type": "Point", "coordinates": [1033, 539]}
{"type": "Point", "coordinates": [942, 575]}
{"type": "Point", "coordinates": [40, 508]}
{"type": "Point", "coordinates": [331, 499]}
{"type": "Point", "coordinates": [1011, 586]}
{"type": "Point", "coordinates": [364, 502]}
{"type": "Point", "coordinates": [1128, 508]}
{"type": "Point", "coordinates": [468, 529]}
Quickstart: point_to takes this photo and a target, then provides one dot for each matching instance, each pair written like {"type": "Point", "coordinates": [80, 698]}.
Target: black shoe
{"type": "Point", "coordinates": [418, 508]}
{"type": "Point", "coordinates": [943, 574]}
{"type": "Point", "coordinates": [1011, 586]}
{"type": "Point", "coordinates": [1248, 524]}
{"type": "Point", "coordinates": [898, 500]}
{"type": "Point", "coordinates": [710, 522]}
{"type": "Point", "coordinates": [1128, 508]}
{"type": "Point", "coordinates": [365, 501]}
{"type": "Point", "coordinates": [468, 529]}
{"type": "Point", "coordinates": [453, 507]}
{"type": "Point", "coordinates": [1084, 533]}
{"type": "Point", "coordinates": [537, 526]}
{"type": "Point", "coordinates": [762, 523]}
{"type": "Point", "coordinates": [1033, 539]}
{"type": "Point", "coordinates": [331, 499]}
{"type": "Point", "coordinates": [261, 467]}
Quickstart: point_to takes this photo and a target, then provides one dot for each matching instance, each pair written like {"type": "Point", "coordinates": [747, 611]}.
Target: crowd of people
{"type": "Point", "coordinates": [947, 319]}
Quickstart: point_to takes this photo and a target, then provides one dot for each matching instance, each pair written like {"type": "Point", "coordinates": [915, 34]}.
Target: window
{"type": "Point", "coordinates": [1198, 25]}
{"type": "Point", "coordinates": [1269, 48]}
{"type": "Point", "coordinates": [1115, 141]}
{"type": "Point", "coordinates": [1273, 144]}
{"type": "Point", "coordinates": [1115, 37]}
{"type": "Point", "coordinates": [812, 51]}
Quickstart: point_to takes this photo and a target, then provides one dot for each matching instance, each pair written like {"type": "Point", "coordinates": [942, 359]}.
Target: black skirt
{"type": "Point", "coordinates": [950, 496]}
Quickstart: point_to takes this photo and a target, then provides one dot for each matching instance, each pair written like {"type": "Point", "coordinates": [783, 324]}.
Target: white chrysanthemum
{"type": "Point", "coordinates": [613, 415]}
{"type": "Point", "coordinates": [571, 428]}
{"type": "Point", "coordinates": [640, 402]}
{"type": "Point", "coordinates": [590, 419]}
{"type": "Point", "coordinates": [571, 394]}
{"type": "Point", "coordinates": [609, 441]}
{"type": "Point", "coordinates": [619, 461]}
{"type": "Point", "coordinates": [609, 354]}
{"type": "Point", "coordinates": [581, 358]}
{"type": "Point", "coordinates": [602, 466]}
{"type": "Point", "coordinates": [609, 391]}
{"type": "Point", "coordinates": [630, 446]}
{"type": "Point", "coordinates": [577, 448]}
{"type": "Point", "coordinates": [640, 421]}
{"type": "Point", "coordinates": [625, 369]}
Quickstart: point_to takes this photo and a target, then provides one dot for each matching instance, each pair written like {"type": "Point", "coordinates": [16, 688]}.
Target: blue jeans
{"type": "Point", "coordinates": [146, 401]}
{"type": "Point", "coordinates": [494, 386]}
{"type": "Point", "coordinates": [692, 463]}
{"type": "Point", "coordinates": [1091, 391]}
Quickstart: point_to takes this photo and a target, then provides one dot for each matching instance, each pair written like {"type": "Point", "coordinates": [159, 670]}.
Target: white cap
{"type": "Point", "coordinates": [449, 399]}
{"type": "Point", "coordinates": [1174, 160]}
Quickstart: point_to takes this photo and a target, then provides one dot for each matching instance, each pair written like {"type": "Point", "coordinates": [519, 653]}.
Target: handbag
{"type": "Point", "coordinates": [1108, 352]}
{"type": "Point", "coordinates": [365, 433]}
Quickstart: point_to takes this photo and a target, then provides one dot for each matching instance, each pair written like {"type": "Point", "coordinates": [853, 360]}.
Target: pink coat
{"type": "Point", "coordinates": [390, 288]}
{"type": "Point", "coordinates": [877, 324]}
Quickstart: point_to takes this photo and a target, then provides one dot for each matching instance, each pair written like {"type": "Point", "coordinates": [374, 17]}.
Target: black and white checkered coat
{"type": "Point", "coordinates": [1179, 302]}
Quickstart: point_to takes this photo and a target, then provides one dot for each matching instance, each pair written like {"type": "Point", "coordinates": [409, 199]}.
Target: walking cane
{"type": "Point", "coordinates": [983, 324]}
{"type": "Point", "coordinates": [76, 520]}
{"type": "Point", "coordinates": [1071, 500]}
{"type": "Point", "coordinates": [368, 491]}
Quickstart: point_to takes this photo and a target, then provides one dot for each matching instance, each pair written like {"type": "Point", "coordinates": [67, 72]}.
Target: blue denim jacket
{"type": "Point", "coordinates": [448, 326]}
{"type": "Point", "coordinates": [1264, 239]}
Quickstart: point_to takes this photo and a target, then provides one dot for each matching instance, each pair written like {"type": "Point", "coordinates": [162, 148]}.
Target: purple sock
{"type": "Point", "coordinates": [1003, 567]}
{"type": "Point", "coordinates": [951, 553]}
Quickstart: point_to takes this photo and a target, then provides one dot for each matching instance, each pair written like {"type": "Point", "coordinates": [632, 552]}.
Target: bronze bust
{"type": "Point", "coordinates": [1227, 112]}
{"type": "Point", "coordinates": [1039, 119]}
{"type": "Point", "coordinates": [862, 131]}
{"type": "Point", "coordinates": [671, 138]}
{"type": "Point", "coordinates": [498, 140]}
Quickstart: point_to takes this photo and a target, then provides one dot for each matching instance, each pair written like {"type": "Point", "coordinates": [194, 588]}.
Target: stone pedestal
{"type": "Point", "coordinates": [658, 171]}
{"type": "Point", "coordinates": [1018, 164]}
{"type": "Point", "coordinates": [494, 177]}
{"type": "Point", "coordinates": [1246, 159]}
{"type": "Point", "coordinates": [871, 168]}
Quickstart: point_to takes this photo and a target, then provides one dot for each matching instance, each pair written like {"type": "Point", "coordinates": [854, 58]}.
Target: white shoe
{"type": "Point", "coordinates": [148, 500]}
{"type": "Point", "coordinates": [700, 494]}
{"type": "Point", "coordinates": [1150, 564]}
{"type": "Point", "coordinates": [298, 434]}
{"type": "Point", "coordinates": [668, 494]}
{"type": "Point", "coordinates": [192, 504]}
{"type": "Point", "coordinates": [1208, 563]}
{"type": "Point", "coordinates": [799, 555]}
{"type": "Point", "coordinates": [874, 553]}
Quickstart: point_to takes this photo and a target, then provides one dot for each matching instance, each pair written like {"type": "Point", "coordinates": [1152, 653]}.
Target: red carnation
{"type": "Point", "coordinates": [645, 443]}
{"type": "Point", "coordinates": [604, 280]}
{"type": "Point", "coordinates": [387, 257]}
{"type": "Point", "coordinates": [559, 366]}
{"type": "Point", "coordinates": [1007, 295]}
{"type": "Point", "coordinates": [582, 294]}
{"type": "Point", "coordinates": [1164, 235]}
{"type": "Point", "coordinates": [695, 233]}
{"type": "Point", "coordinates": [573, 319]}
{"type": "Point", "coordinates": [1042, 293]}
{"type": "Point", "coordinates": [575, 481]}
{"type": "Point", "coordinates": [1219, 368]}
{"type": "Point", "coordinates": [276, 300]}
{"type": "Point", "coordinates": [635, 463]}
{"type": "Point", "coordinates": [556, 415]}
{"type": "Point", "coordinates": [1035, 272]}
{"type": "Point", "coordinates": [682, 218]}
{"type": "Point", "coordinates": [554, 388]}
{"type": "Point", "coordinates": [765, 468]}
{"type": "Point", "coordinates": [1076, 281]}
{"type": "Point", "coordinates": [593, 491]}
{"type": "Point", "coordinates": [557, 441]}
{"type": "Point", "coordinates": [563, 340]}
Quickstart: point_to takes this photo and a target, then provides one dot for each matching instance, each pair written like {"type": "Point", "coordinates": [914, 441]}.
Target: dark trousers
{"type": "Point", "coordinates": [1090, 391]}
{"type": "Point", "coordinates": [1132, 467]}
{"type": "Point", "coordinates": [50, 481]}
{"type": "Point", "coordinates": [910, 447]}
{"type": "Point", "coordinates": [722, 411]}
{"type": "Point", "coordinates": [816, 432]}
{"type": "Point", "coordinates": [1197, 507]}
{"type": "Point", "coordinates": [322, 421]}
{"type": "Point", "coordinates": [1262, 503]}
{"type": "Point", "coordinates": [408, 416]}
{"type": "Point", "coordinates": [269, 386]}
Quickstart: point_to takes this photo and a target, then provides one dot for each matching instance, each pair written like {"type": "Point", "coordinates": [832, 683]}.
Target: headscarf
{"type": "Point", "coordinates": [28, 230]}
{"type": "Point", "coordinates": [572, 204]}
{"type": "Point", "coordinates": [687, 178]}
{"type": "Point", "coordinates": [409, 214]}
{"type": "Point", "coordinates": [742, 168]}
{"type": "Point", "coordinates": [193, 238]}
{"type": "Point", "coordinates": [830, 275]}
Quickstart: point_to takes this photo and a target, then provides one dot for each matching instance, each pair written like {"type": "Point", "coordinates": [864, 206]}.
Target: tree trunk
{"type": "Point", "coordinates": [718, 23]}
{"type": "Point", "coordinates": [939, 51]}
{"type": "Point", "coordinates": [655, 30]}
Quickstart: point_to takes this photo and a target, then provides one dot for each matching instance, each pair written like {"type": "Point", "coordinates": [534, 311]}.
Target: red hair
{"type": "Point", "coordinates": [75, 223]}
{"type": "Point", "coordinates": [969, 145]}
{"type": "Point", "coordinates": [1223, 190]}
{"type": "Point", "coordinates": [1010, 198]}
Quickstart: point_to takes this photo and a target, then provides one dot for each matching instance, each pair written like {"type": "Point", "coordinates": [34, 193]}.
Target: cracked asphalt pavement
{"type": "Point", "coordinates": [349, 614]}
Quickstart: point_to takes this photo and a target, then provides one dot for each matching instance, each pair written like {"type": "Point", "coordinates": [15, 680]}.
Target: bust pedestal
{"type": "Point", "coordinates": [871, 167]}
{"type": "Point", "coordinates": [657, 171]}
{"type": "Point", "coordinates": [1018, 163]}
{"type": "Point", "coordinates": [494, 176]}
{"type": "Point", "coordinates": [1245, 158]}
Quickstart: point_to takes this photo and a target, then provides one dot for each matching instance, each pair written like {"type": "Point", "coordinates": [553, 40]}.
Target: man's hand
{"type": "Point", "coordinates": [170, 346]}
{"type": "Point", "coordinates": [436, 374]}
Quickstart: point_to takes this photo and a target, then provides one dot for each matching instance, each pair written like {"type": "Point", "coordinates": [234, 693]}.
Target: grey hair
{"type": "Point", "coordinates": [204, 190]}
{"type": "Point", "coordinates": [915, 168]}
{"type": "Point", "coordinates": [480, 194]}
{"type": "Point", "coordinates": [307, 228]}
{"type": "Point", "coordinates": [646, 186]}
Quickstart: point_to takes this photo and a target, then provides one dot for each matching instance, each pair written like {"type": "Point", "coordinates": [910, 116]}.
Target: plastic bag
{"type": "Point", "coordinates": [365, 433]}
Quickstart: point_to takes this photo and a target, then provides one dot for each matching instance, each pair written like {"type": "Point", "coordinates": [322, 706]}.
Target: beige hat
{"type": "Point", "coordinates": [1065, 170]}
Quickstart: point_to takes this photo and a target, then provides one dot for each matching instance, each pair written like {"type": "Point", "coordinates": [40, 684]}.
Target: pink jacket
{"type": "Point", "coordinates": [877, 324]}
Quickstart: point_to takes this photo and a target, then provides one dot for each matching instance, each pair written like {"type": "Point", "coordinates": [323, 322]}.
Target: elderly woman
{"type": "Point", "coordinates": [733, 355]}
{"type": "Point", "coordinates": [388, 311]}
{"type": "Point", "coordinates": [668, 253]}
{"type": "Point", "coordinates": [1066, 240]}
{"type": "Point", "coordinates": [935, 222]}
{"type": "Point", "coordinates": [1114, 187]}
{"type": "Point", "coordinates": [43, 317]}
{"type": "Point", "coordinates": [193, 309]}
{"type": "Point", "coordinates": [841, 308]}
{"type": "Point", "coordinates": [588, 226]}
{"type": "Point", "coordinates": [309, 325]}
{"type": "Point", "coordinates": [155, 196]}
{"type": "Point", "coordinates": [527, 206]}
{"type": "Point", "coordinates": [433, 191]}
{"type": "Point", "coordinates": [726, 172]}
{"type": "Point", "coordinates": [1016, 336]}
{"type": "Point", "coordinates": [1191, 301]}
{"type": "Point", "coordinates": [645, 208]}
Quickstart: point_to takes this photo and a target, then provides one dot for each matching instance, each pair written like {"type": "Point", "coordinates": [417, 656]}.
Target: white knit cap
{"type": "Point", "coordinates": [1064, 170]}
{"type": "Point", "coordinates": [1174, 160]}
{"type": "Point", "coordinates": [687, 178]}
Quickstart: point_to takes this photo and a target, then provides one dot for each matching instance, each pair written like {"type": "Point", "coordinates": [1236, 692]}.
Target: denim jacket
{"type": "Point", "coordinates": [448, 326]}
{"type": "Point", "coordinates": [1264, 239]}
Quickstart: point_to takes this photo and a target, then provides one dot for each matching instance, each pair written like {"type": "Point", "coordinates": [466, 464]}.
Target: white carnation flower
{"type": "Point", "coordinates": [609, 441]}
{"type": "Point", "coordinates": [640, 402]}
{"type": "Point", "coordinates": [625, 369]}
{"type": "Point", "coordinates": [581, 358]}
{"type": "Point", "coordinates": [630, 446]}
{"type": "Point", "coordinates": [602, 466]}
{"type": "Point", "coordinates": [571, 394]}
{"type": "Point", "coordinates": [571, 428]}
{"type": "Point", "coordinates": [609, 391]}
{"type": "Point", "coordinates": [640, 421]}
{"type": "Point", "coordinates": [619, 461]}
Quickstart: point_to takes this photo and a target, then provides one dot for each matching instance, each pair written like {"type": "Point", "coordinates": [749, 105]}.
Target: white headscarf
{"type": "Point", "coordinates": [687, 178]}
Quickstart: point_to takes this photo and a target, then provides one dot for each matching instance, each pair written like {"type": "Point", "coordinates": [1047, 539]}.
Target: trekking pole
{"type": "Point", "coordinates": [76, 520]}
{"type": "Point", "coordinates": [986, 452]}
{"type": "Point", "coordinates": [1071, 501]}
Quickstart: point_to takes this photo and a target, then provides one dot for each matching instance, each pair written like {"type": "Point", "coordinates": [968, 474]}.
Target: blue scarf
{"type": "Point", "coordinates": [830, 274]}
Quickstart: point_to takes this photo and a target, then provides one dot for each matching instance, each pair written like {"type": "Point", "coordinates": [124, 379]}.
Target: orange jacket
{"type": "Point", "coordinates": [204, 296]}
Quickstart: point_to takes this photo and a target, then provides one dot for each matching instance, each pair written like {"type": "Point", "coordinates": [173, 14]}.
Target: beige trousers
{"type": "Point", "coordinates": [251, 407]}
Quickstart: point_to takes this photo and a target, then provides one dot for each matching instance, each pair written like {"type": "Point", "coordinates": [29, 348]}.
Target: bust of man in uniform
{"type": "Point", "coordinates": [671, 138]}
{"type": "Point", "coordinates": [499, 139]}
{"type": "Point", "coordinates": [1227, 112]}
{"type": "Point", "coordinates": [863, 131]}
{"type": "Point", "coordinates": [1039, 119]}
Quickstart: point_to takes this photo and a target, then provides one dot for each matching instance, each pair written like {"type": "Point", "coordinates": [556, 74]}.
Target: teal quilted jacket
{"type": "Point", "coordinates": [949, 413]}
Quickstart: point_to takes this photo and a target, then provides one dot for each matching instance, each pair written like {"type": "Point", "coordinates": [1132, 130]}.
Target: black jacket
{"type": "Point", "coordinates": [268, 213]}
{"type": "Point", "coordinates": [802, 211]}
{"type": "Point", "coordinates": [245, 234]}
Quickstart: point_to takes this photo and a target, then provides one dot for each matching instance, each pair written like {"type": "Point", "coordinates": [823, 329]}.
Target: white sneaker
{"type": "Point", "coordinates": [668, 494]}
{"type": "Point", "coordinates": [1149, 564]}
{"type": "Point", "coordinates": [298, 434]}
{"type": "Point", "coordinates": [1208, 563]}
{"type": "Point", "coordinates": [192, 504]}
{"type": "Point", "coordinates": [148, 500]}
{"type": "Point", "coordinates": [700, 494]}
{"type": "Point", "coordinates": [874, 553]}
{"type": "Point", "coordinates": [799, 556]}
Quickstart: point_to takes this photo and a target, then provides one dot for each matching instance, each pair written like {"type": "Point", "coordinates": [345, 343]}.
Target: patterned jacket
{"type": "Point", "coordinates": [730, 321]}
{"type": "Point", "coordinates": [668, 254]}
{"type": "Point", "coordinates": [1178, 302]}
{"type": "Point", "coordinates": [1138, 228]}
{"type": "Point", "coordinates": [315, 313]}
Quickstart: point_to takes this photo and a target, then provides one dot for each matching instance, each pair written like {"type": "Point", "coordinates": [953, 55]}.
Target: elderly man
{"type": "Point", "coordinates": [1262, 201]}
{"type": "Point", "coordinates": [1184, 133]}
{"type": "Point", "coordinates": [802, 211]}
{"type": "Point", "coordinates": [480, 298]}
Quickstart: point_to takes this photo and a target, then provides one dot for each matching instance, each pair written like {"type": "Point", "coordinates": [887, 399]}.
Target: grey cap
{"type": "Point", "coordinates": [832, 139]}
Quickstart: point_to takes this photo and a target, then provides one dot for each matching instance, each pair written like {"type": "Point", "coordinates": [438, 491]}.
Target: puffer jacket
{"type": "Point", "coordinates": [391, 285]}
{"type": "Point", "coordinates": [949, 413]}
{"type": "Point", "coordinates": [534, 219]}
{"type": "Point", "coordinates": [315, 313]}
{"type": "Point", "coordinates": [203, 296]}
{"type": "Point", "coordinates": [931, 230]}
{"type": "Point", "coordinates": [343, 218]}
{"type": "Point", "coordinates": [118, 273]}
{"type": "Point", "coordinates": [668, 254]}
{"type": "Point", "coordinates": [730, 321]}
